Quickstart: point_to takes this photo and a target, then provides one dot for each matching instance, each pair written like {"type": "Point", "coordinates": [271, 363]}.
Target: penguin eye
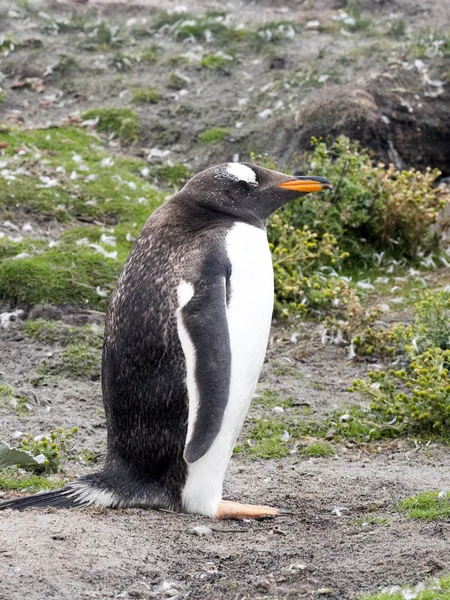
{"type": "Point", "coordinates": [248, 185]}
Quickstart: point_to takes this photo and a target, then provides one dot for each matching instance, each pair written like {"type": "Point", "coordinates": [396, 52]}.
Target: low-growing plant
{"type": "Point", "coordinates": [176, 174]}
{"type": "Point", "coordinates": [14, 481]}
{"type": "Point", "coordinates": [122, 122]}
{"type": "Point", "coordinates": [146, 96]}
{"type": "Point", "coordinates": [215, 135]}
{"type": "Point", "coordinates": [428, 506]}
{"type": "Point", "coordinates": [321, 449]}
{"type": "Point", "coordinates": [217, 61]}
{"type": "Point", "coordinates": [80, 361]}
{"type": "Point", "coordinates": [54, 448]}
{"type": "Point", "coordinates": [416, 398]}
{"type": "Point", "coordinates": [50, 332]}
{"type": "Point", "coordinates": [16, 401]}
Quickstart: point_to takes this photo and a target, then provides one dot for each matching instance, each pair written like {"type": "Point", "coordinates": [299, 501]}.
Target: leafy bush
{"type": "Point", "coordinates": [300, 259]}
{"type": "Point", "coordinates": [417, 398]}
{"type": "Point", "coordinates": [431, 327]}
{"type": "Point", "coordinates": [371, 207]}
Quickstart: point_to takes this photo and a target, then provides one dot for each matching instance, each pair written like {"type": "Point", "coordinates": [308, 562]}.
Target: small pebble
{"type": "Point", "coordinates": [202, 530]}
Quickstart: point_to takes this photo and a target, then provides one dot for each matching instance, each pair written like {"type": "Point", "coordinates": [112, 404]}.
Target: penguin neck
{"type": "Point", "coordinates": [210, 214]}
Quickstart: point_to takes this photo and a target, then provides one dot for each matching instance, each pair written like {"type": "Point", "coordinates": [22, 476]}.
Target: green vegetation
{"type": "Point", "coordinates": [11, 400]}
{"type": "Point", "coordinates": [274, 32]}
{"type": "Point", "coordinates": [432, 589]}
{"type": "Point", "coordinates": [54, 448]}
{"type": "Point", "coordinates": [175, 81]}
{"type": "Point", "coordinates": [392, 211]}
{"type": "Point", "coordinates": [151, 55]}
{"type": "Point", "coordinates": [176, 174]}
{"type": "Point", "coordinates": [417, 399]}
{"type": "Point", "coordinates": [318, 449]}
{"type": "Point", "coordinates": [215, 135]}
{"type": "Point", "coordinates": [72, 178]}
{"type": "Point", "coordinates": [366, 521]}
{"type": "Point", "coordinates": [13, 481]}
{"type": "Point", "coordinates": [427, 506]}
{"type": "Point", "coordinates": [297, 256]}
{"type": "Point", "coordinates": [122, 122]}
{"type": "Point", "coordinates": [51, 332]}
{"type": "Point", "coordinates": [216, 61]}
{"type": "Point", "coordinates": [266, 440]}
{"type": "Point", "coordinates": [146, 96]}
{"type": "Point", "coordinates": [79, 361]}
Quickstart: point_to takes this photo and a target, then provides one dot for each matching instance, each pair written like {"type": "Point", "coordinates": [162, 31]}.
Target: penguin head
{"type": "Point", "coordinates": [246, 191]}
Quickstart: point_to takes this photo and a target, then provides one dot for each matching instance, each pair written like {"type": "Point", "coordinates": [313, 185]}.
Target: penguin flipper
{"type": "Point", "coordinates": [204, 336]}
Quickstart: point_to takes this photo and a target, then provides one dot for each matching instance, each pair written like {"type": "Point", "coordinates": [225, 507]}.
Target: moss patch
{"type": "Point", "coordinates": [215, 135]}
{"type": "Point", "coordinates": [146, 96]}
{"type": "Point", "coordinates": [65, 173]}
{"type": "Point", "coordinates": [122, 122]}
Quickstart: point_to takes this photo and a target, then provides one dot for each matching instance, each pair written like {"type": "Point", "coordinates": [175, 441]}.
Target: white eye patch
{"type": "Point", "coordinates": [241, 173]}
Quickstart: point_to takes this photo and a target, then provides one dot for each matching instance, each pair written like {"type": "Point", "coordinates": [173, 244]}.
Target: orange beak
{"type": "Point", "coordinates": [304, 185]}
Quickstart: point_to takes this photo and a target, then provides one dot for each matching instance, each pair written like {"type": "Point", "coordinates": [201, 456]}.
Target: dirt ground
{"type": "Point", "coordinates": [322, 548]}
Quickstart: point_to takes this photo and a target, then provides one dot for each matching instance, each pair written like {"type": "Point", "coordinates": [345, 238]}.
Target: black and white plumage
{"type": "Point", "coordinates": [185, 338]}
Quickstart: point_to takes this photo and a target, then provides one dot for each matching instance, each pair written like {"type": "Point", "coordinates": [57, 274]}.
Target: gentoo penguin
{"type": "Point", "coordinates": [185, 338]}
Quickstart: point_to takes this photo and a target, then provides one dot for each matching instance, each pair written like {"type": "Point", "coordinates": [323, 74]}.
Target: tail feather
{"type": "Point", "coordinates": [78, 494]}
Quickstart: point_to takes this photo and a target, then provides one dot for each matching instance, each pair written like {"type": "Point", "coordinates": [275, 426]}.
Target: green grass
{"type": "Point", "coordinates": [122, 122]}
{"type": "Point", "coordinates": [78, 361]}
{"type": "Point", "coordinates": [215, 62]}
{"type": "Point", "coordinates": [215, 135]}
{"type": "Point", "coordinates": [146, 96]}
{"type": "Point", "coordinates": [176, 174]}
{"type": "Point", "coordinates": [432, 589]}
{"type": "Point", "coordinates": [265, 440]}
{"type": "Point", "coordinates": [320, 449]}
{"type": "Point", "coordinates": [108, 191]}
{"type": "Point", "coordinates": [427, 506]}
{"type": "Point", "coordinates": [366, 521]}
{"type": "Point", "coordinates": [51, 332]}
{"type": "Point", "coordinates": [15, 482]}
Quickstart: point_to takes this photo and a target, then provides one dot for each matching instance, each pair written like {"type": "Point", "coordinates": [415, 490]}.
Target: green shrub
{"type": "Point", "coordinates": [370, 207]}
{"type": "Point", "coordinates": [416, 398]}
{"type": "Point", "coordinates": [54, 449]}
{"type": "Point", "coordinates": [300, 259]}
{"type": "Point", "coordinates": [431, 326]}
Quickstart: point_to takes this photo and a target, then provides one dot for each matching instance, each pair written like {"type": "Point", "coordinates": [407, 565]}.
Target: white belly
{"type": "Point", "coordinates": [249, 316]}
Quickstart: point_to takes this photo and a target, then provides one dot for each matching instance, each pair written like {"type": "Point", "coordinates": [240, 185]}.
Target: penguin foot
{"type": "Point", "coordinates": [234, 510]}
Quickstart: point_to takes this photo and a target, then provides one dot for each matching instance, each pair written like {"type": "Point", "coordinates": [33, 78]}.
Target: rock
{"type": "Point", "coordinates": [202, 530]}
